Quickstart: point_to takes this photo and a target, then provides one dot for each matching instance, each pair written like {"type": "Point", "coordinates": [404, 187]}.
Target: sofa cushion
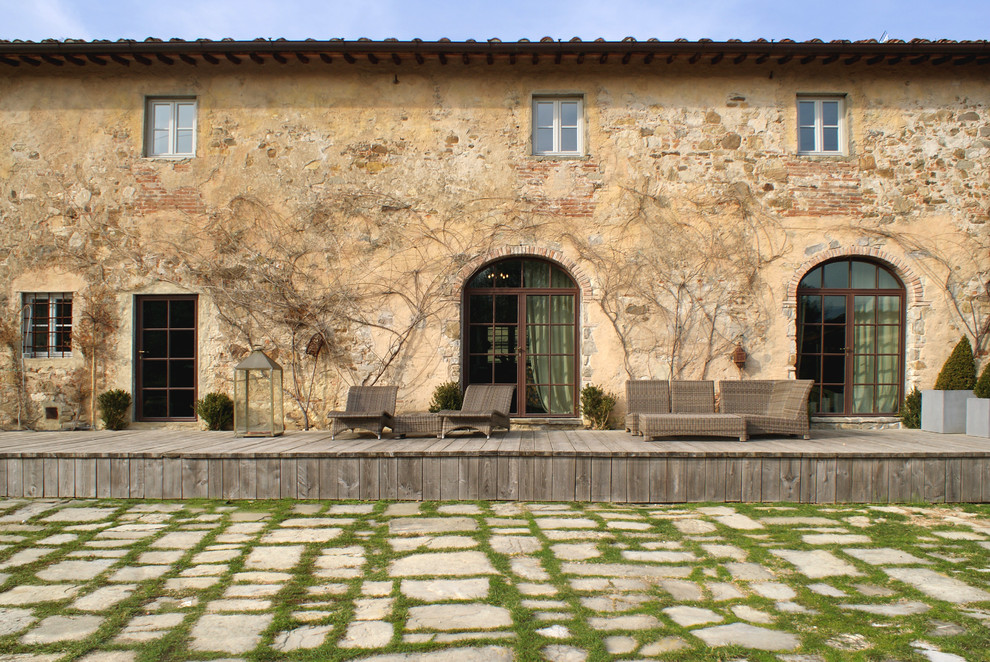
{"type": "Point", "coordinates": [692, 397]}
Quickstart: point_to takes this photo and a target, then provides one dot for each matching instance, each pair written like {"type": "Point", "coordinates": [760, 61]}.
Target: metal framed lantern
{"type": "Point", "coordinates": [258, 397]}
{"type": "Point", "coordinates": [739, 356]}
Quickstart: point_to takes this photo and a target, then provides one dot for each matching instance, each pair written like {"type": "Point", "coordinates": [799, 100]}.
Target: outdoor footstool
{"type": "Point", "coordinates": [693, 425]}
{"type": "Point", "coordinates": [419, 424]}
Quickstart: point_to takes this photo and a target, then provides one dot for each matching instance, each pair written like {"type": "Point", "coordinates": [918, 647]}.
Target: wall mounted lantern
{"type": "Point", "coordinates": [739, 357]}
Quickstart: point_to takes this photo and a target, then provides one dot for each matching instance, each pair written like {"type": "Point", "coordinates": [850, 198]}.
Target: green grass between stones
{"type": "Point", "coordinates": [823, 627]}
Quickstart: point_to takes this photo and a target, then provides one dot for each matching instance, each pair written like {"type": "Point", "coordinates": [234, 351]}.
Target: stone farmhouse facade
{"type": "Point", "coordinates": [551, 214]}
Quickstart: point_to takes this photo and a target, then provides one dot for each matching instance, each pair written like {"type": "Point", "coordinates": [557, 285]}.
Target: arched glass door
{"type": "Point", "coordinates": [850, 337]}
{"type": "Point", "coordinates": [522, 329]}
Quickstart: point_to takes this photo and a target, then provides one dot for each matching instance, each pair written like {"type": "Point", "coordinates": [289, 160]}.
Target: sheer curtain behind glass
{"type": "Point", "coordinates": [562, 363]}
{"type": "Point", "coordinates": [538, 347]}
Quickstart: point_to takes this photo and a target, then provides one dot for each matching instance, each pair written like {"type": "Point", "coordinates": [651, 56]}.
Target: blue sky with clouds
{"type": "Point", "coordinates": [505, 19]}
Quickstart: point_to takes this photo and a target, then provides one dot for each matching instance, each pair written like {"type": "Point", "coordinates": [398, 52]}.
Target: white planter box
{"type": "Point", "coordinates": [944, 411]}
{"type": "Point", "coordinates": [978, 417]}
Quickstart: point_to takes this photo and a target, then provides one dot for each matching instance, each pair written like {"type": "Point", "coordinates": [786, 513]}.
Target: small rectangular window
{"type": "Point", "coordinates": [171, 127]}
{"type": "Point", "coordinates": [821, 125]}
{"type": "Point", "coordinates": [47, 325]}
{"type": "Point", "coordinates": [558, 127]}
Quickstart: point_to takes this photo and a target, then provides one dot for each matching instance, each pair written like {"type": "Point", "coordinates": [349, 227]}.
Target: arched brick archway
{"type": "Point", "coordinates": [584, 283]}
{"type": "Point", "coordinates": [912, 282]}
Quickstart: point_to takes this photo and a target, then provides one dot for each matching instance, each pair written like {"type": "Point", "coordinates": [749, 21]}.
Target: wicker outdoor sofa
{"type": "Point", "coordinates": [660, 408]}
{"type": "Point", "coordinates": [769, 406]}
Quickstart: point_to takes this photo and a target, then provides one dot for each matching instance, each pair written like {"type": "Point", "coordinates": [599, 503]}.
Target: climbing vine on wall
{"type": "Point", "coordinates": [959, 269]}
{"type": "Point", "coordinates": [681, 277]}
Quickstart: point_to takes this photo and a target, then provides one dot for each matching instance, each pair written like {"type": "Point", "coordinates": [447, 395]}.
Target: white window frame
{"type": "Point", "coordinates": [172, 103]}
{"type": "Point", "coordinates": [819, 126]}
{"type": "Point", "coordinates": [53, 325]}
{"type": "Point", "coordinates": [556, 100]}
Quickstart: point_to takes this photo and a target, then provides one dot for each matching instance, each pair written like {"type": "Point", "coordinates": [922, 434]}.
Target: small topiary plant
{"type": "Point", "coordinates": [216, 410]}
{"type": "Point", "coordinates": [911, 410]}
{"type": "Point", "coordinates": [114, 405]}
{"type": "Point", "coordinates": [959, 371]}
{"type": "Point", "coordinates": [982, 389]}
{"type": "Point", "coordinates": [597, 405]}
{"type": "Point", "coordinates": [446, 396]}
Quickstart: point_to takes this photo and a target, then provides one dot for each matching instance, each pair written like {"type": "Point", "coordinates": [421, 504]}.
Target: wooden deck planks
{"type": "Point", "coordinates": [556, 465]}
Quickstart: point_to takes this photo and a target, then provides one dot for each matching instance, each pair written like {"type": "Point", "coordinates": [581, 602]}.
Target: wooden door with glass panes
{"type": "Point", "coordinates": [166, 359]}
{"type": "Point", "coordinates": [521, 328]}
{"type": "Point", "coordinates": [850, 338]}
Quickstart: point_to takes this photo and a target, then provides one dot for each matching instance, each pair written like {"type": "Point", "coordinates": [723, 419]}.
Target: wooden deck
{"type": "Point", "coordinates": [559, 465]}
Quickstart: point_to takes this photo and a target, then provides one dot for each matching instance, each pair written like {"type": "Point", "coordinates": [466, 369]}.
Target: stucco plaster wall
{"type": "Point", "coordinates": [426, 168]}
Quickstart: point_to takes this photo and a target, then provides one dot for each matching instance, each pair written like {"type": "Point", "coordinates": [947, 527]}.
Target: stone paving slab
{"type": "Point", "coordinates": [939, 586]}
{"type": "Point", "coordinates": [443, 563]}
{"type": "Point", "coordinates": [61, 628]}
{"type": "Point", "coordinates": [228, 633]}
{"type": "Point", "coordinates": [748, 636]}
{"type": "Point", "coordinates": [420, 525]}
{"type": "Point", "coordinates": [441, 581]}
{"type": "Point", "coordinates": [817, 564]}
{"type": "Point", "coordinates": [472, 616]}
{"type": "Point", "coordinates": [439, 590]}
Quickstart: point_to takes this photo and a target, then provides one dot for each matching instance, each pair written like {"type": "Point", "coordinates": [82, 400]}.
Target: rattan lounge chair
{"type": "Point", "coordinates": [645, 396]}
{"type": "Point", "coordinates": [769, 406]}
{"type": "Point", "coordinates": [485, 406]}
{"type": "Point", "coordinates": [368, 407]}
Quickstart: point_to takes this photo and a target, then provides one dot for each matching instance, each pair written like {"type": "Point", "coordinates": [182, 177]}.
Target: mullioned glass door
{"type": "Point", "coordinates": [166, 358]}
{"type": "Point", "coordinates": [522, 330]}
{"type": "Point", "coordinates": [850, 338]}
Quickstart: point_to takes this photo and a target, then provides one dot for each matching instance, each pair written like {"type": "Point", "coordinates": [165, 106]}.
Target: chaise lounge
{"type": "Point", "coordinates": [368, 407]}
{"type": "Point", "coordinates": [645, 396]}
{"type": "Point", "coordinates": [485, 407]}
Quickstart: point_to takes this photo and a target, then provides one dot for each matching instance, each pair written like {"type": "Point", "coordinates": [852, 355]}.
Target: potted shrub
{"type": "Point", "coordinates": [943, 409]}
{"type": "Point", "coordinates": [911, 410]}
{"type": "Point", "coordinates": [596, 406]}
{"type": "Point", "coordinates": [978, 408]}
{"type": "Point", "coordinates": [446, 396]}
{"type": "Point", "coordinates": [216, 410]}
{"type": "Point", "coordinates": [114, 405]}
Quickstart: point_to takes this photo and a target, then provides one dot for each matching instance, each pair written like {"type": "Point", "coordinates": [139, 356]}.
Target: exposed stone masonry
{"type": "Point", "coordinates": [408, 193]}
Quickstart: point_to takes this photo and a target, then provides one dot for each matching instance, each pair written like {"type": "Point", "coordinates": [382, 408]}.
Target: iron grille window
{"type": "Point", "coordinates": [47, 325]}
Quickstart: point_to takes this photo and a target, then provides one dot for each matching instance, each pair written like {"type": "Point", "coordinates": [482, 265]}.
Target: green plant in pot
{"type": "Point", "coordinates": [597, 405]}
{"type": "Point", "coordinates": [978, 408]}
{"type": "Point", "coordinates": [114, 405]}
{"type": "Point", "coordinates": [943, 409]}
{"type": "Point", "coordinates": [446, 396]}
{"type": "Point", "coordinates": [216, 410]}
{"type": "Point", "coordinates": [911, 410]}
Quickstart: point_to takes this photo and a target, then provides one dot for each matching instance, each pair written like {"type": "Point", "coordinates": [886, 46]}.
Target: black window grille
{"type": "Point", "coordinates": [47, 325]}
